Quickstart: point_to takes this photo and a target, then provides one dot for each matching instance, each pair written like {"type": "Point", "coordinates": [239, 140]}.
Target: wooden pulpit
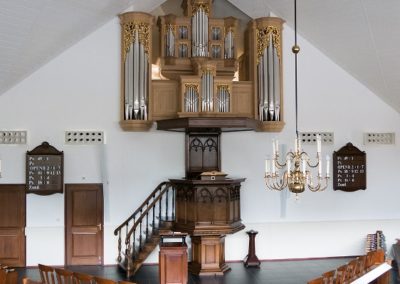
{"type": "Point", "coordinates": [207, 205]}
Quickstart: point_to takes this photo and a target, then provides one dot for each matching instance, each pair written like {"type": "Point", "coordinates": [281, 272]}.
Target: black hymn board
{"type": "Point", "coordinates": [349, 169]}
{"type": "Point", "coordinates": [44, 170]}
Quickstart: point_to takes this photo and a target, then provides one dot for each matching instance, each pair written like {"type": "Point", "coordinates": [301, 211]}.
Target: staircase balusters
{"type": "Point", "coordinates": [127, 242]}
{"type": "Point", "coordinates": [166, 205]}
{"type": "Point", "coordinates": [119, 258]}
{"type": "Point", "coordinates": [140, 237]}
{"type": "Point", "coordinates": [159, 209]}
{"type": "Point", "coordinates": [154, 218]}
{"type": "Point", "coordinates": [135, 252]}
{"type": "Point", "coordinates": [173, 203]}
{"type": "Point", "coordinates": [133, 245]}
{"type": "Point", "coordinates": [147, 226]}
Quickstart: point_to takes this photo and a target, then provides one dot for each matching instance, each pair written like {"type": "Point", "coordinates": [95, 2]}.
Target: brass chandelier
{"type": "Point", "coordinates": [295, 172]}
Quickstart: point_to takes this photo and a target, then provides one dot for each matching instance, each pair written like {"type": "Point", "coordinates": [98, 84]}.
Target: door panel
{"type": "Point", "coordinates": [84, 224]}
{"type": "Point", "coordinates": [12, 224]}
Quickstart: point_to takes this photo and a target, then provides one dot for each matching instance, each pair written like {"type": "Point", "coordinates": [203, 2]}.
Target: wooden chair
{"type": "Point", "coordinates": [26, 280]}
{"type": "Point", "coordinates": [351, 269]}
{"type": "Point", "coordinates": [3, 275]}
{"type": "Point", "coordinates": [329, 276]}
{"type": "Point", "coordinates": [11, 276]}
{"type": "Point", "coordinates": [341, 274]}
{"type": "Point", "coordinates": [46, 274]}
{"type": "Point", "coordinates": [98, 280]}
{"type": "Point", "coordinates": [319, 280]}
{"type": "Point", "coordinates": [82, 278]}
{"type": "Point", "coordinates": [361, 265]}
{"type": "Point", "coordinates": [125, 282]}
{"type": "Point", "coordinates": [64, 276]}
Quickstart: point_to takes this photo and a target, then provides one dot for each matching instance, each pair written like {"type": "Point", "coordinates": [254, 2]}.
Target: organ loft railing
{"type": "Point", "coordinates": [138, 235]}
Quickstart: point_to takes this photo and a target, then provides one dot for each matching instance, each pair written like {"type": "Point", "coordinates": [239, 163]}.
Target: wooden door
{"type": "Point", "coordinates": [12, 224]}
{"type": "Point", "coordinates": [84, 224]}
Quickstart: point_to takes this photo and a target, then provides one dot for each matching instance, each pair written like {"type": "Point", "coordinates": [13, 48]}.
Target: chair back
{"type": "Point", "coordinates": [329, 277]}
{"type": "Point", "coordinates": [82, 278]}
{"type": "Point", "coordinates": [319, 280]}
{"type": "Point", "coordinates": [341, 274]}
{"type": "Point", "coordinates": [125, 282]}
{"type": "Point", "coordinates": [3, 276]}
{"type": "Point", "coordinates": [361, 265]}
{"type": "Point", "coordinates": [27, 280]}
{"type": "Point", "coordinates": [11, 276]}
{"type": "Point", "coordinates": [351, 269]}
{"type": "Point", "coordinates": [98, 280]}
{"type": "Point", "coordinates": [46, 274]}
{"type": "Point", "coordinates": [64, 276]}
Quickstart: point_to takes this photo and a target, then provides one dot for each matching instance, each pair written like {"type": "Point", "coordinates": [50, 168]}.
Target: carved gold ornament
{"type": "Point", "coordinates": [224, 87]}
{"type": "Point", "coordinates": [197, 6]}
{"type": "Point", "coordinates": [193, 86]}
{"type": "Point", "coordinates": [169, 27]}
{"type": "Point", "coordinates": [263, 40]}
{"type": "Point", "coordinates": [129, 37]}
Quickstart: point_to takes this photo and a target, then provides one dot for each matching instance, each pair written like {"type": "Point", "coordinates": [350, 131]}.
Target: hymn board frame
{"type": "Point", "coordinates": [48, 180]}
{"type": "Point", "coordinates": [349, 169]}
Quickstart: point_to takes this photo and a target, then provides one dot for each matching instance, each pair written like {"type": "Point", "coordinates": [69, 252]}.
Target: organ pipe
{"type": "Point", "coordinates": [200, 33]}
{"type": "Point", "coordinates": [136, 71]}
{"type": "Point", "coordinates": [170, 42]}
{"type": "Point", "coordinates": [229, 45]}
{"type": "Point", "coordinates": [223, 98]}
{"type": "Point", "coordinates": [207, 87]}
{"type": "Point", "coordinates": [269, 74]}
{"type": "Point", "coordinates": [191, 98]}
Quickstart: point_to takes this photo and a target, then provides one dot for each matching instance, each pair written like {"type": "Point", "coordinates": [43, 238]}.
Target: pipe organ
{"type": "Point", "coordinates": [198, 60]}
{"type": "Point", "coordinates": [136, 30]}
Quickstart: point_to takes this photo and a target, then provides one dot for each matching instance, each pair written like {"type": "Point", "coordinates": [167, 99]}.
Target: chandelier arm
{"type": "Point", "coordinates": [274, 182]}
{"type": "Point", "coordinates": [273, 186]}
{"type": "Point", "coordinates": [319, 186]}
{"type": "Point", "coordinates": [312, 165]}
{"type": "Point", "coordinates": [279, 165]}
{"type": "Point", "coordinates": [316, 163]}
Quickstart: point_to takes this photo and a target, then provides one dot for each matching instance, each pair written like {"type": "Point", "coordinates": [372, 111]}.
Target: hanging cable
{"type": "Point", "coordinates": [295, 50]}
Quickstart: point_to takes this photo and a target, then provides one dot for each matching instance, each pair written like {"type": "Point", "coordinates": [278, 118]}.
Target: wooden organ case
{"type": "Point", "coordinates": [199, 68]}
{"type": "Point", "coordinates": [201, 96]}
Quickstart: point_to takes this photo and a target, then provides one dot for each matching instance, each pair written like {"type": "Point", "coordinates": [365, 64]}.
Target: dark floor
{"type": "Point", "coordinates": [270, 272]}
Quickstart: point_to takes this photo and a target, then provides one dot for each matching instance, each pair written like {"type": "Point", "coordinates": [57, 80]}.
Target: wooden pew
{"type": "Point", "coordinates": [8, 276]}
{"type": "Point", "coordinates": [363, 269]}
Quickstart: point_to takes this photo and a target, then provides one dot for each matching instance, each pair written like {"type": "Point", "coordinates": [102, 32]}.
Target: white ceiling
{"type": "Point", "coordinates": [359, 35]}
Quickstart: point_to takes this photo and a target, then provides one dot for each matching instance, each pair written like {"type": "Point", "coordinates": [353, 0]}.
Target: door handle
{"type": "Point", "coordinates": [99, 226]}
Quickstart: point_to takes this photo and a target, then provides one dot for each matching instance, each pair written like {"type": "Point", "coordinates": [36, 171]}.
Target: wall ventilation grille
{"type": "Point", "coordinates": [84, 137]}
{"type": "Point", "coordinates": [379, 138]}
{"type": "Point", "coordinates": [13, 136]}
{"type": "Point", "coordinates": [310, 138]}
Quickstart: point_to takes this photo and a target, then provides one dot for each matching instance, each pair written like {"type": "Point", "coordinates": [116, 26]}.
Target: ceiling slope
{"type": "Point", "coordinates": [34, 32]}
{"type": "Point", "coordinates": [359, 35]}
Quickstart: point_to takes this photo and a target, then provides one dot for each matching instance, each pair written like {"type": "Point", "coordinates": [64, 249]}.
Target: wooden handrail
{"type": "Point", "coordinates": [149, 207]}
{"type": "Point", "coordinates": [140, 207]}
{"type": "Point", "coordinates": [141, 224]}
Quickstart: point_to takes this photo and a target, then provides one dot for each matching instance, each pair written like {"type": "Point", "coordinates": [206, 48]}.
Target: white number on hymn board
{"type": "Point", "coordinates": [43, 171]}
{"type": "Point", "coordinates": [347, 172]}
